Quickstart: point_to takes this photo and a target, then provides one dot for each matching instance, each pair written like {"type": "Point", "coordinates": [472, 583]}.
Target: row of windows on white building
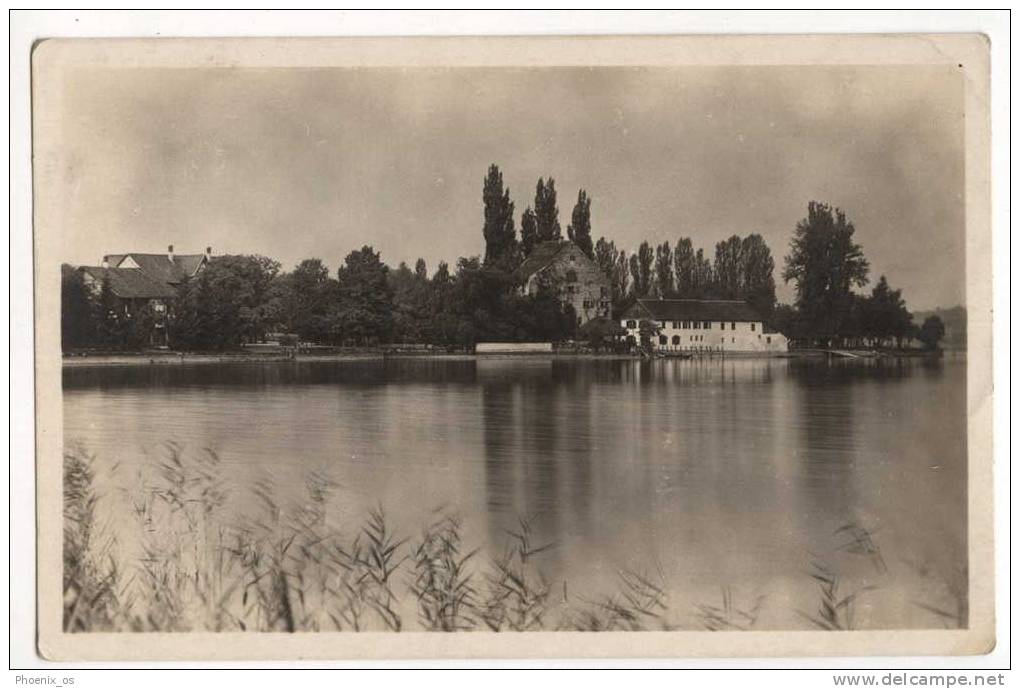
{"type": "Point", "coordinates": [676, 340]}
{"type": "Point", "coordinates": [692, 325]}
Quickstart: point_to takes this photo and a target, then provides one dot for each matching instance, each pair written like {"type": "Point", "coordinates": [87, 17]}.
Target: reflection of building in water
{"type": "Point", "coordinates": [701, 325]}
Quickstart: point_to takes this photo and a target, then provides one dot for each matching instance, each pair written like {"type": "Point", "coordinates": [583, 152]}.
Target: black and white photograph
{"type": "Point", "coordinates": [386, 339]}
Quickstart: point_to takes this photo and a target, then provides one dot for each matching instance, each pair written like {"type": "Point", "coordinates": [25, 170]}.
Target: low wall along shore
{"type": "Point", "coordinates": [514, 348]}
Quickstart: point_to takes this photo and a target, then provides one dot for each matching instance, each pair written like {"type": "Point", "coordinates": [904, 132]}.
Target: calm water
{"type": "Point", "coordinates": [722, 475]}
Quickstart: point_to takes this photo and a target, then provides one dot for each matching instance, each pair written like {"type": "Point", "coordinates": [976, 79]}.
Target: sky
{"type": "Point", "coordinates": [300, 163]}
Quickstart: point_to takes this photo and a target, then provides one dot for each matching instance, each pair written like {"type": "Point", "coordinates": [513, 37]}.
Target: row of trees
{"type": "Point", "coordinates": [89, 320]}
{"type": "Point", "coordinates": [238, 299]}
{"type": "Point", "coordinates": [826, 265]}
{"type": "Point", "coordinates": [241, 298]}
{"type": "Point", "coordinates": [742, 269]}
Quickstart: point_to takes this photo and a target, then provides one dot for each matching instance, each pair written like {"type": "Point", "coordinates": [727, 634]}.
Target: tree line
{"type": "Point", "coordinates": [237, 299]}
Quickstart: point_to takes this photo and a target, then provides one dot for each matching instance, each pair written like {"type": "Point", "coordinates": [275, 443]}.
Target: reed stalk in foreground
{"type": "Point", "coordinates": [288, 568]}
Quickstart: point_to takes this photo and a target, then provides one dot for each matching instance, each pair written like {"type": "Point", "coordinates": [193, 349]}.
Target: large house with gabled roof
{"type": "Point", "coordinates": [562, 266]}
{"type": "Point", "coordinates": [700, 325]}
{"type": "Point", "coordinates": [137, 281]}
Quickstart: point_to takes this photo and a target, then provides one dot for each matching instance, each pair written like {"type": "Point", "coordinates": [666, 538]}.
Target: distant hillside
{"type": "Point", "coordinates": [955, 320]}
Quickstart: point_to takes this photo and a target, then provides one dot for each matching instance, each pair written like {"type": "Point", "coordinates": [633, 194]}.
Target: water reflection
{"type": "Point", "coordinates": [720, 472]}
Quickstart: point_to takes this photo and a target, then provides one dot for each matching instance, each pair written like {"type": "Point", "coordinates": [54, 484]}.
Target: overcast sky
{"type": "Point", "coordinates": [297, 163]}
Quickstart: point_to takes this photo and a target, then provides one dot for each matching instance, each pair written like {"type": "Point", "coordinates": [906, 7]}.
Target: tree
{"type": "Point", "coordinates": [641, 270]}
{"type": "Point", "coordinates": [547, 214]}
{"type": "Point", "coordinates": [109, 317]}
{"type": "Point", "coordinates": [299, 302]}
{"type": "Point", "coordinates": [498, 228]}
{"type": "Point", "coordinates": [825, 263]}
{"type": "Point", "coordinates": [541, 316]}
{"type": "Point", "coordinates": [604, 255]}
{"type": "Point", "coordinates": [420, 271]}
{"type": "Point", "coordinates": [664, 285]}
{"type": "Point", "coordinates": [728, 268]}
{"type": "Point", "coordinates": [225, 304]}
{"type": "Point", "coordinates": [411, 301]}
{"type": "Point", "coordinates": [884, 314]}
{"type": "Point", "coordinates": [528, 232]}
{"type": "Point", "coordinates": [601, 333]}
{"type": "Point", "coordinates": [931, 333]}
{"type": "Point", "coordinates": [648, 330]}
{"type": "Point", "coordinates": [222, 305]}
{"type": "Point", "coordinates": [621, 277]}
{"type": "Point", "coordinates": [757, 268]}
{"type": "Point", "coordinates": [702, 280]}
{"type": "Point", "coordinates": [579, 229]}
{"type": "Point", "coordinates": [684, 268]}
{"type": "Point", "coordinates": [364, 313]}
{"type": "Point", "coordinates": [77, 310]}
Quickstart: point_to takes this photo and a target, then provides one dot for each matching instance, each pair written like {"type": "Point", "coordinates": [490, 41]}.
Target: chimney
{"type": "Point", "coordinates": [106, 262]}
{"type": "Point", "coordinates": [170, 252]}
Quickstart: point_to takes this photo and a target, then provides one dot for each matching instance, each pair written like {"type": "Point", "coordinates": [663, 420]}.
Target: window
{"type": "Point", "coordinates": [587, 304]}
{"type": "Point", "coordinates": [663, 340]}
{"type": "Point", "coordinates": [733, 326]}
{"type": "Point", "coordinates": [707, 325]}
{"type": "Point", "coordinates": [676, 325]}
{"type": "Point", "coordinates": [752, 327]}
{"type": "Point", "coordinates": [571, 274]}
{"type": "Point", "coordinates": [685, 325]}
{"type": "Point", "coordinates": [603, 292]}
{"type": "Point", "coordinates": [722, 326]}
{"type": "Point", "coordinates": [573, 258]}
{"type": "Point", "coordinates": [571, 289]}
{"type": "Point", "coordinates": [768, 340]}
{"type": "Point", "coordinates": [662, 324]}
{"type": "Point", "coordinates": [733, 339]}
{"type": "Point", "coordinates": [631, 324]}
{"type": "Point", "coordinates": [697, 324]}
{"type": "Point", "coordinates": [676, 339]}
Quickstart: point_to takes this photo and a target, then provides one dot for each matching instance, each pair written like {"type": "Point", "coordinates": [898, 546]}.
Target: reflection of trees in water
{"type": "Point", "coordinates": [538, 434]}
{"type": "Point", "coordinates": [260, 374]}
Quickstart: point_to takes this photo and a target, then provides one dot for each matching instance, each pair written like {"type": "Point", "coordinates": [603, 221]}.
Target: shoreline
{"type": "Point", "coordinates": [176, 359]}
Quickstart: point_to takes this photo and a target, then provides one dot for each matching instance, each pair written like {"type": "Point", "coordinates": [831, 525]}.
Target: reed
{"type": "Point", "coordinates": [196, 565]}
{"type": "Point", "coordinates": [442, 582]}
{"type": "Point", "coordinates": [91, 578]}
{"type": "Point", "coordinates": [835, 612]}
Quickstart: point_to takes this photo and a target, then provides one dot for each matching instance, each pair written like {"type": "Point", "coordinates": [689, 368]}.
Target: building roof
{"type": "Point", "coordinates": [131, 283]}
{"type": "Point", "coordinates": [160, 267]}
{"type": "Point", "coordinates": [541, 256]}
{"type": "Point", "coordinates": [693, 310]}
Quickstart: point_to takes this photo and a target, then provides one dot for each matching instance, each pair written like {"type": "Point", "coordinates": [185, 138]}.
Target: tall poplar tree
{"type": "Point", "coordinates": [641, 270]}
{"type": "Point", "coordinates": [498, 228]}
{"type": "Point", "coordinates": [579, 229]}
{"type": "Point", "coordinates": [683, 268]}
{"type": "Point", "coordinates": [664, 285]}
{"type": "Point", "coordinates": [547, 213]}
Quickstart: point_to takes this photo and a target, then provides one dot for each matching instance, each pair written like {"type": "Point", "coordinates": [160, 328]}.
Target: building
{"type": "Point", "coordinates": [564, 267]}
{"type": "Point", "coordinates": [139, 280]}
{"type": "Point", "coordinates": [170, 268]}
{"type": "Point", "coordinates": [700, 325]}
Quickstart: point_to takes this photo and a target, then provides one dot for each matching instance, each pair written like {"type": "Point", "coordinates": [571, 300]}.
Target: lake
{"type": "Point", "coordinates": [731, 480]}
